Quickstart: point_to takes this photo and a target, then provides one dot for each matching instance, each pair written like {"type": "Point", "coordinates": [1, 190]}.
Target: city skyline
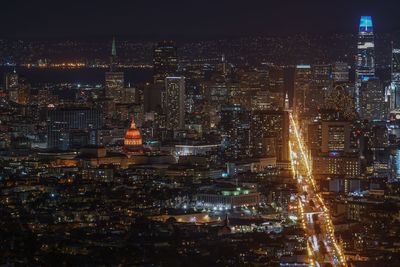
{"type": "Point", "coordinates": [279, 150]}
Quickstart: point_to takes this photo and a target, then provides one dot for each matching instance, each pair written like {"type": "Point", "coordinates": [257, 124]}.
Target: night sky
{"type": "Point", "coordinates": [188, 18]}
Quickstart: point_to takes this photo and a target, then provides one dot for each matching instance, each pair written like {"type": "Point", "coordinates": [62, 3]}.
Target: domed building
{"type": "Point", "coordinates": [133, 143]}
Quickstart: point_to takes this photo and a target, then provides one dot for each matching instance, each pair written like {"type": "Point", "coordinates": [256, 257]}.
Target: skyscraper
{"type": "Point", "coordinates": [302, 83]}
{"type": "Point", "coordinates": [165, 61]}
{"type": "Point", "coordinates": [174, 102]}
{"type": "Point", "coordinates": [114, 80]}
{"type": "Point", "coordinates": [235, 130]}
{"type": "Point", "coordinates": [365, 63]}
{"type": "Point", "coordinates": [395, 80]}
{"type": "Point", "coordinates": [269, 134]}
{"type": "Point", "coordinates": [321, 86]}
{"type": "Point", "coordinates": [17, 88]}
{"type": "Point", "coordinates": [335, 136]}
{"type": "Point", "coordinates": [340, 72]}
{"type": "Point", "coordinates": [11, 80]}
{"type": "Point", "coordinates": [372, 104]}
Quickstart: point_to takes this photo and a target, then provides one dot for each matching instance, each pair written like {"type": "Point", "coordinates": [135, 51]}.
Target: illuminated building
{"type": "Point", "coordinates": [372, 105]}
{"type": "Point", "coordinates": [17, 88]}
{"type": "Point", "coordinates": [269, 133]}
{"type": "Point", "coordinates": [174, 103]}
{"type": "Point", "coordinates": [336, 164]}
{"type": "Point", "coordinates": [339, 105]}
{"type": "Point", "coordinates": [335, 136]}
{"type": "Point", "coordinates": [23, 92]}
{"type": "Point", "coordinates": [322, 76]}
{"type": "Point", "coordinates": [165, 61]}
{"type": "Point", "coordinates": [114, 80]}
{"type": "Point", "coordinates": [98, 174]}
{"type": "Point", "coordinates": [251, 80]}
{"type": "Point", "coordinates": [302, 83]}
{"type": "Point", "coordinates": [45, 97]}
{"type": "Point", "coordinates": [365, 63]}
{"type": "Point", "coordinates": [196, 149]}
{"type": "Point", "coordinates": [133, 142]}
{"type": "Point", "coordinates": [394, 124]}
{"type": "Point", "coordinates": [227, 198]}
{"type": "Point", "coordinates": [217, 91]}
{"type": "Point", "coordinates": [340, 72]}
{"type": "Point", "coordinates": [321, 86]}
{"type": "Point", "coordinates": [61, 123]}
{"type": "Point", "coordinates": [276, 79]}
{"type": "Point", "coordinates": [267, 100]}
{"type": "Point", "coordinates": [314, 137]}
{"type": "Point", "coordinates": [11, 80]}
{"type": "Point", "coordinates": [235, 130]}
{"type": "Point", "coordinates": [395, 80]}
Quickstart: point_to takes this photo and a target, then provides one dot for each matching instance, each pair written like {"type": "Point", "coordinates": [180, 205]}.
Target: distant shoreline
{"type": "Point", "coordinates": [84, 75]}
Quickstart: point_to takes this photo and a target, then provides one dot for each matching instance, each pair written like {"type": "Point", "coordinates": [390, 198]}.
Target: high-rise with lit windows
{"type": "Point", "coordinates": [165, 61]}
{"type": "Point", "coordinates": [395, 79]}
{"type": "Point", "coordinates": [114, 80]}
{"type": "Point", "coordinates": [365, 62]}
{"type": "Point", "coordinates": [174, 102]}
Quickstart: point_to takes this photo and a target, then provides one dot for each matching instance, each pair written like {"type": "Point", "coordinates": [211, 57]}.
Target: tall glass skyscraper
{"type": "Point", "coordinates": [395, 80]}
{"type": "Point", "coordinates": [365, 64]}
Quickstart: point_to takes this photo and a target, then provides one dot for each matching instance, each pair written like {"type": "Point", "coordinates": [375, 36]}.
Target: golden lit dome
{"type": "Point", "coordinates": [133, 140]}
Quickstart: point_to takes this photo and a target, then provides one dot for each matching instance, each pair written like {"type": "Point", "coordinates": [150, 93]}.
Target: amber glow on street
{"type": "Point", "coordinates": [302, 171]}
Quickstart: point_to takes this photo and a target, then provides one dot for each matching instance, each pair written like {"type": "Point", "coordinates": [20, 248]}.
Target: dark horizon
{"type": "Point", "coordinates": [184, 20]}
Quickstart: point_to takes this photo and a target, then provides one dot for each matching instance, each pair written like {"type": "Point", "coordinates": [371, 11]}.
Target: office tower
{"type": "Point", "coordinates": [250, 80]}
{"type": "Point", "coordinates": [339, 105]}
{"type": "Point", "coordinates": [365, 63]}
{"type": "Point", "coordinates": [235, 130]}
{"type": "Point", "coordinates": [322, 75]}
{"type": "Point", "coordinates": [223, 67]}
{"type": "Point", "coordinates": [217, 91]}
{"type": "Point", "coordinates": [331, 165]}
{"type": "Point", "coordinates": [335, 136]}
{"type": "Point", "coordinates": [61, 123]}
{"type": "Point", "coordinates": [276, 79]}
{"type": "Point", "coordinates": [165, 61]}
{"type": "Point", "coordinates": [340, 72]}
{"type": "Point", "coordinates": [336, 157]}
{"type": "Point", "coordinates": [114, 80]}
{"type": "Point", "coordinates": [174, 102]}
{"type": "Point", "coordinates": [269, 134]}
{"type": "Point", "coordinates": [395, 80]}
{"type": "Point", "coordinates": [314, 137]}
{"type": "Point", "coordinates": [23, 92]}
{"type": "Point", "coordinates": [372, 100]}
{"type": "Point", "coordinates": [302, 83]}
{"type": "Point", "coordinates": [17, 88]}
{"type": "Point", "coordinates": [11, 80]}
{"type": "Point", "coordinates": [267, 100]}
{"type": "Point", "coordinates": [321, 86]}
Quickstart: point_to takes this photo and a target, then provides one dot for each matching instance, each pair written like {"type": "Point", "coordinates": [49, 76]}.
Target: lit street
{"type": "Point", "coordinates": [323, 249]}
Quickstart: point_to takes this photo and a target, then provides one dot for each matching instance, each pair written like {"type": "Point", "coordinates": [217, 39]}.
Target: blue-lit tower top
{"type": "Point", "coordinates": [366, 24]}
